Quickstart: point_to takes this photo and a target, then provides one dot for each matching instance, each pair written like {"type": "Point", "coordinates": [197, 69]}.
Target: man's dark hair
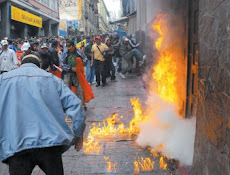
{"type": "Point", "coordinates": [70, 43]}
{"type": "Point", "coordinates": [55, 43]}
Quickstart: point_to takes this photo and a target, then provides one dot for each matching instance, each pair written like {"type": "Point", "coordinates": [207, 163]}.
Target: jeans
{"type": "Point", "coordinates": [128, 57]}
{"type": "Point", "coordinates": [100, 71]}
{"type": "Point", "coordinates": [48, 159]}
{"type": "Point", "coordinates": [90, 72]}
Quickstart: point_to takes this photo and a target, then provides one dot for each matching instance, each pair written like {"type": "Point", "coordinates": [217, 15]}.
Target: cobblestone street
{"type": "Point", "coordinates": [114, 98]}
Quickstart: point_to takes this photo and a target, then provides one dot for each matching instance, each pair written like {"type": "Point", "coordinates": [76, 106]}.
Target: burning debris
{"type": "Point", "coordinates": [143, 165]}
{"type": "Point", "coordinates": [110, 127]}
{"type": "Point", "coordinates": [111, 167]}
{"type": "Point", "coordinates": [163, 165]}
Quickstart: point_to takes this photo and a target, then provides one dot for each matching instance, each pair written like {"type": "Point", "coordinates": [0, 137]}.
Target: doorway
{"type": "Point", "coordinates": [193, 53]}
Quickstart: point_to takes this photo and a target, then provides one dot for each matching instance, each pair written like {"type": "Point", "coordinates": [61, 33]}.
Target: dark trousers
{"type": "Point", "coordinates": [129, 56]}
{"type": "Point", "coordinates": [110, 69]}
{"type": "Point", "coordinates": [100, 71]}
{"type": "Point", "coordinates": [48, 159]}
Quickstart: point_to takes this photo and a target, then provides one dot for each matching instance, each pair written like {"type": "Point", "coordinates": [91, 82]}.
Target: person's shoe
{"type": "Point", "coordinates": [97, 85]}
{"type": "Point", "coordinates": [122, 75]}
{"type": "Point", "coordinates": [104, 84]}
{"type": "Point", "coordinates": [129, 75]}
{"type": "Point", "coordinates": [114, 80]}
{"type": "Point", "coordinates": [143, 60]}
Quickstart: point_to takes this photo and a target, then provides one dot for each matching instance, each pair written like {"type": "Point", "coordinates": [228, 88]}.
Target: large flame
{"type": "Point", "coordinates": [168, 74]}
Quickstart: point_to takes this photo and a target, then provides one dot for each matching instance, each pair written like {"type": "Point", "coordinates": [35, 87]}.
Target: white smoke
{"type": "Point", "coordinates": [164, 126]}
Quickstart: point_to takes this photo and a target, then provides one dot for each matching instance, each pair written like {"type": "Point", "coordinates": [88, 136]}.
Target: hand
{"type": "Point", "coordinates": [74, 69]}
{"type": "Point", "coordinates": [78, 143]}
{"type": "Point", "coordinates": [91, 63]}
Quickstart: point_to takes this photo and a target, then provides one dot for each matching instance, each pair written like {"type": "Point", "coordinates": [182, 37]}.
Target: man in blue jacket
{"type": "Point", "coordinates": [33, 106]}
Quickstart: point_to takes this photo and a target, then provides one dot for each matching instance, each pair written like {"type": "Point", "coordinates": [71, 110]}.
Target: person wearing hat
{"type": "Point", "coordinates": [127, 53]}
{"type": "Point", "coordinates": [26, 48]}
{"type": "Point", "coordinates": [98, 50]}
{"type": "Point", "coordinates": [33, 128]}
{"type": "Point", "coordinates": [46, 57]}
{"type": "Point", "coordinates": [8, 58]}
{"type": "Point", "coordinates": [54, 52]}
{"type": "Point", "coordinates": [68, 61]}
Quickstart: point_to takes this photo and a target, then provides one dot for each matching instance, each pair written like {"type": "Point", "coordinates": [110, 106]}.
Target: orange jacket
{"type": "Point", "coordinates": [86, 88]}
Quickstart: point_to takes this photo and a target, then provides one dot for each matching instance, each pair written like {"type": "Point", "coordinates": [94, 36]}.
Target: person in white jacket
{"type": "Point", "coordinates": [8, 58]}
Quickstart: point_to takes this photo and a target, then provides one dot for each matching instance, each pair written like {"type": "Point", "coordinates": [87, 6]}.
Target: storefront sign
{"type": "Point", "coordinates": [25, 17]}
{"type": "Point", "coordinates": [62, 26]}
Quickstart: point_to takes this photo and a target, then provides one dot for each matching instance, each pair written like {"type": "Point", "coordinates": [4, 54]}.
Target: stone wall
{"type": "Point", "coordinates": [212, 145]}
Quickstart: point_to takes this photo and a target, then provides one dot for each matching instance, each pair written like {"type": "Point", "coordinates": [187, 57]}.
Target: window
{"type": "Point", "coordinates": [51, 4]}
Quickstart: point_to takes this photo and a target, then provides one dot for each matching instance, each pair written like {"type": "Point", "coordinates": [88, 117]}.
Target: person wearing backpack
{"type": "Point", "coordinates": [98, 55]}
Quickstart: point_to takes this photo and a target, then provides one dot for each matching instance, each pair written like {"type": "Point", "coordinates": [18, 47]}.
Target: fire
{"type": "Point", "coordinates": [138, 116]}
{"type": "Point", "coordinates": [143, 165]}
{"type": "Point", "coordinates": [155, 151]}
{"type": "Point", "coordinates": [91, 145]}
{"type": "Point", "coordinates": [165, 71]}
{"type": "Point", "coordinates": [168, 73]}
{"type": "Point", "coordinates": [163, 165]}
{"type": "Point", "coordinates": [110, 128]}
{"type": "Point", "coordinates": [111, 167]}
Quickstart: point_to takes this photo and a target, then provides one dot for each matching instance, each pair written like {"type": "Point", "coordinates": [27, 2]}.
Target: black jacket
{"type": "Point", "coordinates": [47, 60]}
{"type": "Point", "coordinates": [54, 53]}
{"type": "Point", "coordinates": [88, 52]}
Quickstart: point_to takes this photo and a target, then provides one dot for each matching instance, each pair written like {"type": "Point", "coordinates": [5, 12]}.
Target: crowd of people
{"type": "Point", "coordinates": [34, 103]}
{"type": "Point", "coordinates": [101, 57]}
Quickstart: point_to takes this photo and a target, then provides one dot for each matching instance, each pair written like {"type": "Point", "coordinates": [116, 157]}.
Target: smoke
{"type": "Point", "coordinates": [167, 93]}
{"type": "Point", "coordinates": [164, 126]}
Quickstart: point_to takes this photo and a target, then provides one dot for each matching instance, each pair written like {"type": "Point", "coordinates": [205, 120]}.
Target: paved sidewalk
{"type": "Point", "coordinates": [113, 98]}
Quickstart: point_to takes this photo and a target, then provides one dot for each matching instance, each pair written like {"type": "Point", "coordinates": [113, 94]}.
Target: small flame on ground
{"type": "Point", "coordinates": [143, 165]}
{"type": "Point", "coordinates": [163, 165]}
{"type": "Point", "coordinates": [111, 167]}
{"type": "Point", "coordinates": [155, 151]}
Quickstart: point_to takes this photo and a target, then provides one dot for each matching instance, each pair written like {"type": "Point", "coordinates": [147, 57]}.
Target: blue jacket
{"type": "Point", "coordinates": [33, 106]}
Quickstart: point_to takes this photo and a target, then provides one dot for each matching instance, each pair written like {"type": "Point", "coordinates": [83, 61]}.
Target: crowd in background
{"type": "Point", "coordinates": [100, 57]}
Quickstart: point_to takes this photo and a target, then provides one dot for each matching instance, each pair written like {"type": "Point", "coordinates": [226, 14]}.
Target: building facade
{"type": "Point", "coordinates": [206, 30]}
{"type": "Point", "coordinates": [21, 19]}
{"type": "Point", "coordinates": [90, 17]}
{"type": "Point", "coordinates": [103, 17]}
{"type": "Point", "coordinates": [81, 16]}
{"type": "Point", "coordinates": [69, 16]}
{"type": "Point", "coordinates": [212, 145]}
